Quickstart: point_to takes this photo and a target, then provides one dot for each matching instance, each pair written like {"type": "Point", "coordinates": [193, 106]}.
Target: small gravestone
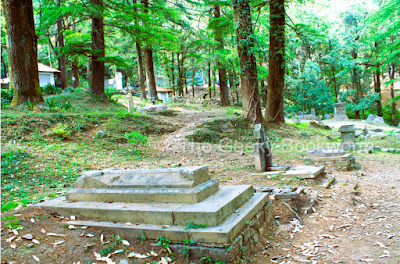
{"type": "Point", "coordinates": [262, 149]}
{"type": "Point", "coordinates": [348, 137]}
{"type": "Point", "coordinates": [130, 102]}
{"type": "Point", "coordinates": [340, 111]}
{"type": "Point", "coordinates": [313, 113]}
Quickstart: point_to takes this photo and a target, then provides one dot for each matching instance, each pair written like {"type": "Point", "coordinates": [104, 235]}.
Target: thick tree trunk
{"type": "Point", "coordinates": [75, 72]}
{"type": "Point", "coordinates": [60, 43]}
{"type": "Point", "coordinates": [148, 54]}
{"type": "Point", "coordinates": [248, 74]}
{"type": "Point", "coordinates": [22, 51]}
{"type": "Point", "coordinates": [276, 79]}
{"type": "Point", "coordinates": [88, 72]}
{"type": "Point", "coordinates": [142, 79]}
{"type": "Point", "coordinates": [391, 76]}
{"type": "Point", "coordinates": [139, 59]}
{"type": "Point", "coordinates": [97, 77]}
{"type": "Point", "coordinates": [223, 83]}
{"type": "Point", "coordinates": [151, 80]}
{"type": "Point", "coordinates": [186, 85]}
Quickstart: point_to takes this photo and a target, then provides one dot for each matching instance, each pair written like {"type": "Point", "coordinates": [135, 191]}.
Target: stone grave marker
{"type": "Point", "coordinates": [130, 101]}
{"type": "Point", "coordinates": [262, 149]}
{"type": "Point", "coordinates": [340, 111]}
{"type": "Point", "coordinates": [348, 137]}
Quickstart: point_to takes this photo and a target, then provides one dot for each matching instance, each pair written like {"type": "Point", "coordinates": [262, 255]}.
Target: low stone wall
{"type": "Point", "coordinates": [247, 242]}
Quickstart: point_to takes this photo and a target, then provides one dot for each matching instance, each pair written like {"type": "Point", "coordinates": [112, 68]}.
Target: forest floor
{"type": "Point", "coordinates": [357, 220]}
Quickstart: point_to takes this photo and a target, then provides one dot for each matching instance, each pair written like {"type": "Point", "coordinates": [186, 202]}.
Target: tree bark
{"type": "Point", "coordinates": [139, 59]}
{"type": "Point", "coordinates": [248, 74]}
{"type": "Point", "coordinates": [377, 82]}
{"type": "Point", "coordinates": [22, 51]}
{"type": "Point", "coordinates": [75, 72]}
{"type": "Point", "coordinates": [151, 80]}
{"type": "Point", "coordinates": [142, 79]}
{"type": "Point", "coordinates": [97, 76]}
{"type": "Point", "coordinates": [60, 44]}
{"type": "Point", "coordinates": [223, 83]}
{"type": "Point", "coordinates": [276, 79]}
{"type": "Point", "coordinates": [180, 74]}
{"type": "Point", "coordinates": [391, 77]}
{"type": "Point", "coordinates": [356, 86]}
{"type": "Point", "coordinates": [4, 65]}
{"type": "Point", "coordinates": [173, 72]}
{"type": "Point", "coordinates": [209, 79]}
{"type": "Point", "coordinates": [148, 54]}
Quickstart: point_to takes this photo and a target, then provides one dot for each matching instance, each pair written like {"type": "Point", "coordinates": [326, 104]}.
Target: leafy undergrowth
{"type": "Point", "coordinates": [43, 153]}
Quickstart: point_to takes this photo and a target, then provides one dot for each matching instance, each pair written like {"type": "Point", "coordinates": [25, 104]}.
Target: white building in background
{"type": "Point", "coordinates": [162, 93]}
{"type": "Point", "coordinates": [46, 75]}
{"type": "Point", "coordinates": [116, 82]}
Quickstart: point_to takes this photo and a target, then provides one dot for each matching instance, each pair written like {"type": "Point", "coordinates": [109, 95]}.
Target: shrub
{"type": "Point", "coordinates": [6, 96]}
{"type": "Point", "coordinates": [204, 135]}
{"type": "Point", "coordinates": [61, 130]}
{"type": "Point", "coordinates": [51, 89]}
{"type": "Point", "coordinates": [135, 138]}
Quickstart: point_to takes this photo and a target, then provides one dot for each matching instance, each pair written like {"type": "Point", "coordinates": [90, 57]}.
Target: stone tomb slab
{"type": "Point", "coordinates": [223, 233]}
{"type": "Point", "coordinates": [180, 185]}
{"type": "Point", "coordinates": [211, 211]}
{"type": "Point", "coordinates": [325, 152]}
{"type": "Point", "coordinates": [306, 172]}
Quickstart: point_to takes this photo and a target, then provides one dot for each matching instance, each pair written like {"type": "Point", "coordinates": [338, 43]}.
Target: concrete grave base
{"type": "Point", "coordinates": [335, 157]}
{"type": "Point", "coordinates": [152, 108]}
{"type": "Point", "coordinates": [305, 172]}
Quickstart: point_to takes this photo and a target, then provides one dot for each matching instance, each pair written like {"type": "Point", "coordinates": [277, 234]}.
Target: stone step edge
{"type": "Point", "coordinates": [98, 195]}
{"type": "Point", "coordinates": [224, 233]}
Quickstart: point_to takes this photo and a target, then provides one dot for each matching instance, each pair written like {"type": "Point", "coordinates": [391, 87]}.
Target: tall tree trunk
{"type": "Point", "coordinates": [97, 77]}
{"type": "Point", "coordinates": [356, 86]}
{"type": "Point", "coordinates": [209, 79]}
{"type": "Point", "coordinates": [391, 77]}
{"type": "Point", "coordinates": [139, 58]}
{"type": "Point", "coordinates": [75, 72]}
{"type": "Point", "coordinates": [173, 72]}
{"type": "Point", "coordinates": [180, 74]}
{"type": "Point", "coordinates": [223, 83]}
{"type": "Point", "coordinates": [151, 80]}
{"type": "Point", "coordinates": [22, 51]}
{"type": "Point", "coordinates": [142, 79]}
{"type": "Point", "coordinates": [186, 85]}
{"type": "Point", "coordinates": [276, 79]}
{"type": "Point", "coordinates": [60, 43]}
{"type": "Point", "coordinates": [248, 74]}
{"type": "Point", "coordinates": [378, 81]}
{"type": "Point", "coordinates": [148, 54]}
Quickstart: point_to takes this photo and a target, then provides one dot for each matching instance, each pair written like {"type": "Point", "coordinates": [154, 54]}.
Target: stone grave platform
{"type": "Point", "coordinates": [305, 172]}
{"type": "Point", "coordinates": [162, 202]}
{"type": "Point", "coordinates": [334, 156]}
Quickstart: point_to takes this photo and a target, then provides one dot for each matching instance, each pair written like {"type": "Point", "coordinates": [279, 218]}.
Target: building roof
{"type": "Point", "coordinates": [45, 68]}
{"type": "Point", "coordinates": [161, 89]}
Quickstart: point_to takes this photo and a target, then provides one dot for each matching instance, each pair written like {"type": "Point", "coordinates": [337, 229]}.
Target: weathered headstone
{"type": "Point", "coordinates": [130, 102]}
{"type": "Point", "coordinates": [340, 111]}
{"type": "Point", "coordinates": [348, 137]}
{"type": "Point", "coordinates": [313, 113]}
{"type": "Point", "coordinates": [262, 149]}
